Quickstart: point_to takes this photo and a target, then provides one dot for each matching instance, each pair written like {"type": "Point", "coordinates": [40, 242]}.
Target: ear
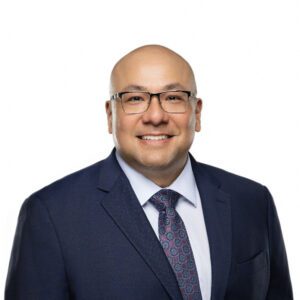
{"type": "Point", "coordinates": [198, 110]}
{"type": "Point", "coordinates": [108, 108]}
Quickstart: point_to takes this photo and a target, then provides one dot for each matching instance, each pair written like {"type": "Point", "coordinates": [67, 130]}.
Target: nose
{"type": "Point", "coordinates": [155, 114]}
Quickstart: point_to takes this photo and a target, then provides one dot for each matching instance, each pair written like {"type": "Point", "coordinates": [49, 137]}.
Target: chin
{"type": "Point", "coordinates": [158, 162]}
{"type": "Point", "coordinates": [155, 165]}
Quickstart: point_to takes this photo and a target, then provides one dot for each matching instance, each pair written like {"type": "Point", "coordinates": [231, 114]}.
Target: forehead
{"type": "Point", "coordinates": [153, 71]}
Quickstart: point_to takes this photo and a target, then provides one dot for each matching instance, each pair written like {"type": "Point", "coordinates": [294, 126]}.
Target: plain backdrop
{"type": "Point", "coordinates": [55, 61]}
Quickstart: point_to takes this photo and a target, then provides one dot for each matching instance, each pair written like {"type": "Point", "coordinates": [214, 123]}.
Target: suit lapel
{"type": "Point", "coordinates": [121, 204]}
{"type": "Point", "coordinates": [217, 216]}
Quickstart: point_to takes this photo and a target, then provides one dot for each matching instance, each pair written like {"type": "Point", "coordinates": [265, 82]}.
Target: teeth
{"type": "Point", "coordinates": [154, 137]}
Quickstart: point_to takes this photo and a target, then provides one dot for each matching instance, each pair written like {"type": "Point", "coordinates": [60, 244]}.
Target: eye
{"type": "Point", "coordinates": [135, 99]}
{"type": "Point", "coordinates": [174, 97]}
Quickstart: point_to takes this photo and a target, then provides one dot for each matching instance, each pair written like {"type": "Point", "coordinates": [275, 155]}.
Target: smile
{"type": "Point", "coordinates": [155, 137]}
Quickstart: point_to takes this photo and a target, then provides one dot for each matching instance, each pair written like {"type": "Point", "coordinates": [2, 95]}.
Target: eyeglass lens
{"type": "Point", "coordinates": [137, 102]}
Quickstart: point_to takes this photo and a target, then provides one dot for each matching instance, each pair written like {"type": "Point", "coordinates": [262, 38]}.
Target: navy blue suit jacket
{"type": "Point", "coordinates": [86, 237]}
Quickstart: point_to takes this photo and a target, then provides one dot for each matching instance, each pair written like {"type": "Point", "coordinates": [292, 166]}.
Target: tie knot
{"type": "Point", "coordinates": [164, 199]}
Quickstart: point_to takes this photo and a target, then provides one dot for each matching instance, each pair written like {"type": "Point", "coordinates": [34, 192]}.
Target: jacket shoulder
{"type": "Point", "coordinates": [247, 195]}
{"type": "Point", "coordinates": [231, 181]}
{"type": "Point", "coordinates": [70, 186]}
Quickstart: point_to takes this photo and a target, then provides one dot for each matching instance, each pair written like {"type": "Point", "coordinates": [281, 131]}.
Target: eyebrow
{"type": "Point", "coordinates": [134, 87]}
{"type": "Point", "coordinates": [174, 86]}
{"type": "Point", "coordinates": [171, 86]}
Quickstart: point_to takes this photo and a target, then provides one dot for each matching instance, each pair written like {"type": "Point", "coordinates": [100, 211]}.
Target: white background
{"type": "Point", "coordinates": [55, 61]}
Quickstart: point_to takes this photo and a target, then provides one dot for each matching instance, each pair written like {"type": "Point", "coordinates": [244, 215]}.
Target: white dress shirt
{"type": "Point", "coordinates": [188, 207]}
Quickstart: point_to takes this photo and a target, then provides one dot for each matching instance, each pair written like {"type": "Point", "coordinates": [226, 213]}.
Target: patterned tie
{"type": "Point", "coordinates": [175, 242]}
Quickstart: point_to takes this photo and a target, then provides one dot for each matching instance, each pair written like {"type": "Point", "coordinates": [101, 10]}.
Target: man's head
{"type": "Point", "coordinates": [153, 68]}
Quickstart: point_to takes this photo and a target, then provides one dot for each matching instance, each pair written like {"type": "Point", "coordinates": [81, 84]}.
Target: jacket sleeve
{"type": "Point", "coordinates": [36, 268]}
{"type": "Point", "coordinates": [280, 284]}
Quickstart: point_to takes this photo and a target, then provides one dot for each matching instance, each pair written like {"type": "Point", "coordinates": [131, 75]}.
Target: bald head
{"type": "Point", "coordinates": [152, 65]}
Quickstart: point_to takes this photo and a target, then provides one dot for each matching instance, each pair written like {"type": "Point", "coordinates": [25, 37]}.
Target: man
{"type": "Point", "coordinates": [149, 222]}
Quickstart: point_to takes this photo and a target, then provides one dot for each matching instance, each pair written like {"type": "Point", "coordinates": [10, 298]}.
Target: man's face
{"type": "Point", "coordinates": [155, 73]}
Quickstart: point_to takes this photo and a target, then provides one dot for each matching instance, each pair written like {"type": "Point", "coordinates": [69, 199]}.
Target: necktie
{"type": "Point", "coordinates": [175, 242]}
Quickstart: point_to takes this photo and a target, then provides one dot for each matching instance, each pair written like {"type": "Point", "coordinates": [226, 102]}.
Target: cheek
{"type": "Point", "coordinates": [188, 128]}
{"type": "Point", "coordinates": [118, 128]}
{"type": "Point", "coordinates": [192, 123]}
{"type": "Point", "coordinates": [189, 124]}
{"type": "Point", "coordinates": [123, 126]}
{"type": "Point", "coordinates": [117, 120]}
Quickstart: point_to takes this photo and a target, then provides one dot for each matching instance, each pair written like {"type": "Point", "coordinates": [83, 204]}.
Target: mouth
{"type": "Point", "coordinates": [155, 137]}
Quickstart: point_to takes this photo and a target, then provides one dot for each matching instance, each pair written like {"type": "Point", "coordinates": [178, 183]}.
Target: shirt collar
{"type": "Point", "coordinates": [144, 188]}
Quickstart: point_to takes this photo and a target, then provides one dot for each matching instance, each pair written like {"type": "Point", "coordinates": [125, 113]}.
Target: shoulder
{"type": "Point", "coordinates": [84, 177]}
{"type": "Point", "coordinates": [241, 188]}
{"type": "Point", "coordinates": [227, 178]}
{"type": "Point", "coordinates": [69, 189]}
{"type": "Point", "coordinates": [248, 197]}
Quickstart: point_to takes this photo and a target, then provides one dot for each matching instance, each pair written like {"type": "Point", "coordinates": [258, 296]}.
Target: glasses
{"type": "Point", "coordinates": [138, 102]}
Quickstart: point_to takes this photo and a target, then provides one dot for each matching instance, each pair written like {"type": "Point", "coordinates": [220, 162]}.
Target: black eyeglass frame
{"type": "Point", "coordinates": [118, 96]}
